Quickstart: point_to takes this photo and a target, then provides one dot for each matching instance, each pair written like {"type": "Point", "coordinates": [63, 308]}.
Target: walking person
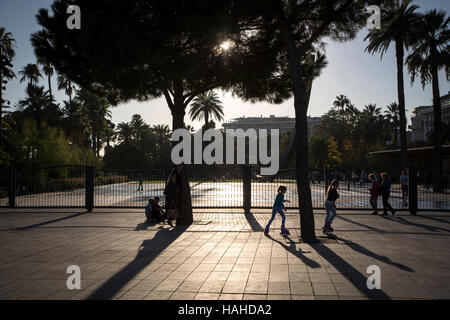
{"type": "Point", "coordinates": [141, 181]}
{"type": "Point", "coordinates": [404, 184]}
{"type": "Point", "coordinates": [330, 206]}
{"type": "Point", "coordinates": [374, 194]}
{"type": "Point", "coordinates": [278, 206]}
{"type": "Point", "coordinates": [385, 190]}
{"type": "Point", "coordinates": [172, 196]}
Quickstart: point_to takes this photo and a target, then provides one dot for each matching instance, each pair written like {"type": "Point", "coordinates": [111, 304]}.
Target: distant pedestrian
{"type": "Point", "coordinates": [374, 194]}
{"type": "Point", "coordinates": [141, 181]}
{"type": "Point", "coordinates": [278, 206]}
{"type": "Point", "coordinates": [404, 183]}
{"type": "Point", "coordinates": [330, 206]}
{"type": "Point", "coordinates": [385, 190]}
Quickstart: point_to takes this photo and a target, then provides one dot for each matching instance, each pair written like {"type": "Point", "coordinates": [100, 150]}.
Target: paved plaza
{"type": "Point", "coordinates": [223, 255]}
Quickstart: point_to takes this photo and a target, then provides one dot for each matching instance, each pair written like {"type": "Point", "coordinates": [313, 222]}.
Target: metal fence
{"type": "Point", "coordinates": [216, 186]}
{"type": "Point", "coordinates": [428, 199]}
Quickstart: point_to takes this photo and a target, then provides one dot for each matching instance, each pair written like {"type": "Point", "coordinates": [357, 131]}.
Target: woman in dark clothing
{"type": "Point", "coordinates": [172, 194]}
{"type": "Point", "coordinates": [330, 206]}
{"type": "Point", "coordinates": [385, 190]}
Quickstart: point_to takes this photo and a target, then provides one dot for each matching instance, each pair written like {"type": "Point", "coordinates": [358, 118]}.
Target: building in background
{"type": "Point", "coordinates": [422, 119]}
{"type": "Point", "coordinates": [282, 123]}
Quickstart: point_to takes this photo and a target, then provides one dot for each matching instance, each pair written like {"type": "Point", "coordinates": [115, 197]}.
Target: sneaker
{"type": "Point", "coordinates": [170, 222]}
{"type": "Point", "coordinates": [330, 229]}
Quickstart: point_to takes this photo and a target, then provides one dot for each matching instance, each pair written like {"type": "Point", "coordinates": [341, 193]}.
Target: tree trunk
{"type": "Point", "coordinates": [301, 134]}
{"type": "Point", "coordinates": [1, 108]}
{"type": "Point", "coordinates": [437, 152]}
{"type": "Point", "coordinates": [401, 104]}
{"type": "Point", "coordinates": [178, 112]}
{"type": "Point", "coordinates": [94, 141]}
{"type": "Point", "coordinates": [206, 121]}
{"type": "Point", "coordinates": [50, 85]}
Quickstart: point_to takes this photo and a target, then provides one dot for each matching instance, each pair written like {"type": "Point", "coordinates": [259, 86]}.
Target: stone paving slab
{"type": "Point", "coordinates": [224, 255]}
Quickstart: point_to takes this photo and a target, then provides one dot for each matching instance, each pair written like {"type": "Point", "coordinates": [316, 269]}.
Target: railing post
{"type": "Point", "coordinates": [247, 187]}
{"type": "Point", "coordinates": [12, 187]}
{"type": "Point", "coordinates": [412, 191]}
{"type": "Point", "coordinates": [89, 188]}
{"type": "Point", "coordinates": [325, 178]}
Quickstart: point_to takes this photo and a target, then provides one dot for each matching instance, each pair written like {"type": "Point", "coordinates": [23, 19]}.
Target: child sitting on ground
{"type": "Point", "coordinates": [158, 213]}
{"type": "Point", "coordinates": [148, 211]}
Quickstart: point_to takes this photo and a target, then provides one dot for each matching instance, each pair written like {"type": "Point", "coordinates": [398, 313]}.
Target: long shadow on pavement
{"type": "Point", "coordinates": [420, 225]}
{"type": "Point", "coordinates": [149, 250]}
{"type": "Point", "coordinates": [348, 271]}
{"type": "Point", "coordinates": [433, 218]}
{"type": "Point", "coordinates": [360, 224]}
{"type": "Point", "coordinates": [298, 253]}
{"type": "Point", "coordinates": [360, 249]}
{"type": "Point", "coordinates": [51, 221]}
{"type": "Point", "coordinates": [254, 224]}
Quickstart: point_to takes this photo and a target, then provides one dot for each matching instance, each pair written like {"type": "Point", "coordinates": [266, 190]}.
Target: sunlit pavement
{"type": "Point", "coordinates": [223, 255]}
{"type": "Point", "coordinates": [225, 194]}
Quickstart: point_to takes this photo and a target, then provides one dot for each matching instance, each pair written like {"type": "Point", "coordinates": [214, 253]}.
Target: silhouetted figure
{"type": "Point", "coordinates": [385, 190]}
{"type": "Point", "coordinates": [330, 206]}
{"type": "Point", "coordinates": [374, 194]}
{"type": "Point", "coordinates": [141, 181]}
{"type": "Point", "coordinates": [278, 206]}
{"type": "Point", "coordinates": [172, 194]}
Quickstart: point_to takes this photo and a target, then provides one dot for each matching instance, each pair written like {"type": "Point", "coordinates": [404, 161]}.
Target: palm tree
{"type": "Point", "coordinates": [341, 101]}
{"type": "Point", "coordinates": [139, 126]}
{"type": "Point", "coordinates": [431, 53]}
{"type": "Point", "coordinates": [7, 54]}
{"type": "Point", "coordinates": [31, 73]}
{"type": "Point", "coordinates": [370, 116]}
{"type": "Point", "coordinates": [393, 117]}
{"type": "Point", "coordinates": [205, 106]}
{"type": "Point", "coordinates": [39, 105]}
{"type": "Point", "coordinates": [96, 110]}
{"type": "Point", "coordinates": [189, 128]}
{"type": "Point", "coordinates": [48, 71]}
{"type": "Point", "coordinates": [124, 132]}
{"type": "Point", "coordinates": [396, 28]}
{"type": "Point", "coordinates": [65, 84]}
{"type": "Point", "coordinates": [76, 123]}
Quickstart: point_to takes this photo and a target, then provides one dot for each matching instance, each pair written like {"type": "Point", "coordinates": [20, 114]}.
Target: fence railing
{"type": "Point", "coordinates": [216, 186]}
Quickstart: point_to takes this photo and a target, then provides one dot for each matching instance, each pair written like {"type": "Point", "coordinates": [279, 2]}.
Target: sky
{"type": "Point", "coordinates": [363, 77]}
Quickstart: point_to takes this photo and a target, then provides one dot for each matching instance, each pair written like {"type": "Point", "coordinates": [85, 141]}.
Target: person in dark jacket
{"type": "Point", "coordinates": [385, 190]}
{"type": "Point", "coordinates": [172, 194]}
{"type": "Point", "coordinates": [330, 205]}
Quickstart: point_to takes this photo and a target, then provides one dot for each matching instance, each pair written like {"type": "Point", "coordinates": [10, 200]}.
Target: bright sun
{"type": "Point", "coordinates": [226, 45]}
